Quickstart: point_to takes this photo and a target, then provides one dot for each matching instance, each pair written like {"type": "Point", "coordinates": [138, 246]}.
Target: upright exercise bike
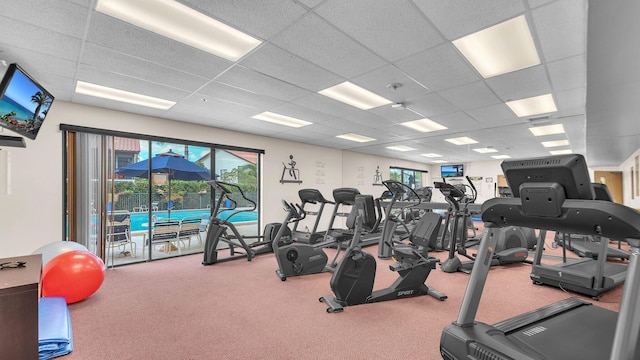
{"type": "Point", "coordinates": [352, 282]}
{"type": "Point", "coordinates": [296, 259]}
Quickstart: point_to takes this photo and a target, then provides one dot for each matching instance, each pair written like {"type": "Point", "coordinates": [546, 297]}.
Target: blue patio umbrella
{"type": "Point", "coordinates": [173, 164]}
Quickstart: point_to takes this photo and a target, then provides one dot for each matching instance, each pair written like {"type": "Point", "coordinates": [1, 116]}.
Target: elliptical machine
{"type": "Point", "coordinates": [397, 190]}
{"type": "Point", "coordinates": [352, 282]}
{"type": "Point", "coordinates": [222, 233]}
{"type": "Point", "coordinates": [296, 259]}
{"type": "Point", "coordinates": [512, 244]}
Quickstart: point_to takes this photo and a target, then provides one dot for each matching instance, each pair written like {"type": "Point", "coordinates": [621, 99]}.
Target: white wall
{"type": "Point", "coordinates": [488, 171]}
{"type": "Point", "coordinates": [31, 184]}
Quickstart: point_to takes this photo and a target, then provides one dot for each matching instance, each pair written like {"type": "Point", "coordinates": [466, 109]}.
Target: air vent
{"type": "Point", "coordinates": [534, 331]}
{"type": "Point", "coordinates": [533, 163]}
{"type": "Point", "coordinates": [483, 353]}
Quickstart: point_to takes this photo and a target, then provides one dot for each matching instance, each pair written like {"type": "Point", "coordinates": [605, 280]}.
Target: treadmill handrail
{"type": "Point", "coordinates": [586, 217]}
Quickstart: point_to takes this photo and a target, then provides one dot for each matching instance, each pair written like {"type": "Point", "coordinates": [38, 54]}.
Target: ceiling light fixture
{"type": "Point", "coordinates": [501, 48]}
{"type": "Point", "coordinates": [281, 119]}
{"type": "Point", "coordinates": [181, 23]}
{"type": "Point", "coordinates": [462, 140]}
{"type": "Point", "coordinates": [547, 130]}
{"type": "Point", "coordinates": [352, 94]}
{"type": "Point", "coordinates": [424, 125]}
{"type": "Point", "coordinates": [401, 148]}
{"type": "Point", "coordinates": [485, 150]}
{"type": "Point", "coordinates": [555, 143]}
{"type": "Point", "coordinates": [533, 106]}
{"type": "Point", "coordinates": [440, 161]}
{"type": "Point", "coordinates": [355, 137]}
{"type": "Point", "coordinates": [108, 93]}
{"type": "Point", "coordinates": [561, 152]}
{"type": "Point", "coordinates": [501, 157]}
{"type": "Point", "coordinates": [431, 155]}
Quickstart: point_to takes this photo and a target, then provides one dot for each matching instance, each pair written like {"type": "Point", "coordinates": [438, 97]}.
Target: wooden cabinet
{"type": "Point", "coordinates": [19, 295]}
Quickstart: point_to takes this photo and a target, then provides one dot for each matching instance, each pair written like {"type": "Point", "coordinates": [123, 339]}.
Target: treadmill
{"type": "Point", "coordinates": [313, 197]}
{"type": "Point", "coordinates": [551, 193]}
{"type": "Point", "coordinates": [346, 197]}
{"type": "Point", "coordinates": [590, 246]}
{"type": "Point", "coordinates": [588, 276]}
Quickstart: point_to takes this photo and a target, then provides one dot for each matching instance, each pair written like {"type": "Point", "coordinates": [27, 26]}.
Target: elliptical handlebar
{"type": "Point", "coordinates": [224, 189]}
{"type": "Point", "coordinates": [474, 191]}
{"type": "Point", "coordinates": [450, 192]}
{"type": "Point", "coordinates": [294, 214]}
{"type": "Point", "coordinates": [396, 187]}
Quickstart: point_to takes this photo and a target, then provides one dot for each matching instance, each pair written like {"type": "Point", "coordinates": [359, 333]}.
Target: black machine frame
{"type": "Point", "coordinates": [218, 229]}
{"type": "Point", "coordinates": [555, 194]}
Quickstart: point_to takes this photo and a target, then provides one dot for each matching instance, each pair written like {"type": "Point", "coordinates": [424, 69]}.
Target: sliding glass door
{"type": "Point", "coordinates": [134, 199]}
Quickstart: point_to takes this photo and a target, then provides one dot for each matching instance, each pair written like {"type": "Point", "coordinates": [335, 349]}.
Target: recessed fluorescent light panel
{"type": "Point", "coordinates": [462, 141]}
{"type": "Point", "coordinates": [104, 92]}
{"type": "Point", "coordinates": [355, 137]}
{"type": "Point", "coordinates": [401, 148]}
{"type": "Point", "coordinates": [181, 23]}
{"type": "Point", "coordinates": [352, 94]}
{"type": "Point", "coordinates": [485, 150]}
{"type": "Point", "coordinates": [555, 143]}
{"type": "Point", "coordinates": [500, 49]}
{"type": "Point", "coordinates": [501, 156]}
{"type": "Point", "coordinates": [424, 125]}
{"type": "Point", "coordinates": [281, 119]}
{"type": "Point", "coordinates": [439, 161]}
{"type": "Point", "coordinates": [547, 130]}
{"type": "Point", "coordinates": [533, 106]}
{"type": "Point", "coordinates": [431, 155]}
{"type": "Point", "coordinates": [560, 152]}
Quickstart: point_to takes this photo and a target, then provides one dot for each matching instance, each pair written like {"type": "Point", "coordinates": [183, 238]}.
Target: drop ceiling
{"type": "Point", "coordinates": [401, 50]}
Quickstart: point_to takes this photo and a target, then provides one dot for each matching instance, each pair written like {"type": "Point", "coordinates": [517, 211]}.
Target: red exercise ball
{"type": "Point", "coordinates": [74, 275]}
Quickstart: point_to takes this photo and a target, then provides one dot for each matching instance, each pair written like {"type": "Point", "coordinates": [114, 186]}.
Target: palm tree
{"type": "Point", "coordinates": [42, 100]}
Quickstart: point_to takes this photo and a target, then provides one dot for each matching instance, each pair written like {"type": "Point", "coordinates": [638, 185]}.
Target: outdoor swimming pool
{"type": "Point", "coordinates": [140, 221]}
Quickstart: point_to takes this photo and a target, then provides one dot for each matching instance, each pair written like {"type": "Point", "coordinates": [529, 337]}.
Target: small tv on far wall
{"type": "Point", "coordinates": [24, 103]}
{"type": "Point", "coordinates": [452, 170]}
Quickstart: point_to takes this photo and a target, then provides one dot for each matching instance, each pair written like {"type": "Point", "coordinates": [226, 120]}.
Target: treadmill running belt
{"type": "Point", "coordinates": [590, 328]}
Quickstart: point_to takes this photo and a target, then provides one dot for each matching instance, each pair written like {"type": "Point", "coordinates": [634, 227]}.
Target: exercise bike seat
{"type": "Point", "coordinates": [423, 234]}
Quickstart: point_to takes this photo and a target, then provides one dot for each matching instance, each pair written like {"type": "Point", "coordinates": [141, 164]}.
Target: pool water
{"type": "Point", "coordinates": [140, 221]}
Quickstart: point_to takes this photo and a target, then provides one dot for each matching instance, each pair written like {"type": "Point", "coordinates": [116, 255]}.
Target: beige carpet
{"type": "Point", "coordinates": [178, 309]}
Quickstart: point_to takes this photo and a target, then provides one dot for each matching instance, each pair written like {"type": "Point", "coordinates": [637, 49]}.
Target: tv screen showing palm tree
{"type": "Point", "coordinates": [452, 170]}
{"type": "Point", "coordinates": [24, 103]}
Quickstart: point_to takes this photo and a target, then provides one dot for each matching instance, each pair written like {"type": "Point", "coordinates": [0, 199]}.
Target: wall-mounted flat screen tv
{"type": "Point", "coordinates": [24, 103]}
{"type": "Point", "coordinates": [451, 170]}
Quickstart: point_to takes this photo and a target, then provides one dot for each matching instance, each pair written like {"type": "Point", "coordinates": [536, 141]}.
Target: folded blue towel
{"type": "Point", "coordinates": [54, 328]}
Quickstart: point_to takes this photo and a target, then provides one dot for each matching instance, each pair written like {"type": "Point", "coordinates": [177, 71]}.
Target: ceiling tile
{"type": "Point", "coordinates": [276, 62]}
{"type": "Point", "coordinates": [525, 83]}
{"type": "Point", "coordinates": [561, 28]}
{"type": "Point", "coordinates": [263, 18]}
{"type": "Point", "coordinates": [392, 29]}
{"type": "Point", "coordinates": [459, 18]}
{"type": "Point", "coordinates": [253, 81]}
{"type": "Point", "coordinates": [569, 73]}
{"type": "Point", "coordinates": [118, 63]}
{"type": "Point", "coordinates": [470, 96]}
{"type": "Point", "coordinates": [379, 81]}
{"type": "Point", "coordinates": [136, 42]}
{"type": "Point", "coordinates": [313, 39]}
{"type": "Point", "coordinates": [439, 68]}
